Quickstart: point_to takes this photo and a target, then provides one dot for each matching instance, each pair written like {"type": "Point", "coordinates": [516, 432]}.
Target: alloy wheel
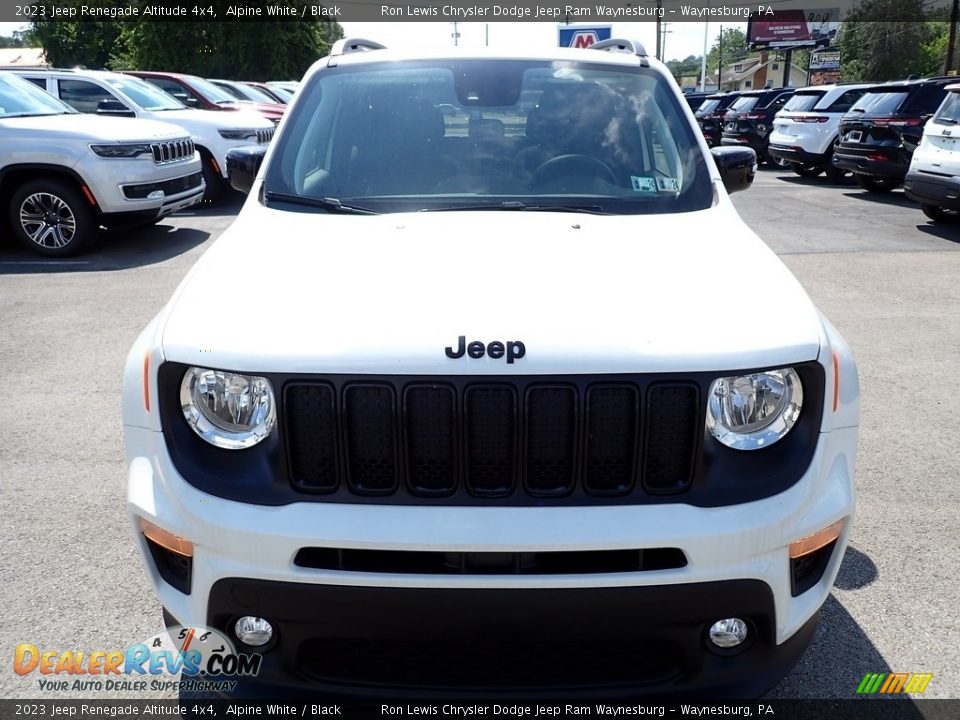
{"type": "Point", "coordinates": [47, 220]}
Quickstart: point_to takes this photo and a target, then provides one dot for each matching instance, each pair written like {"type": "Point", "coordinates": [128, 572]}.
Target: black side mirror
{"type": "Point", "coordinates": [108, 106]}
{"type": "Point", "coordinates": [243, 164]}
{"type": "Point", "coordinates": [737, 166]}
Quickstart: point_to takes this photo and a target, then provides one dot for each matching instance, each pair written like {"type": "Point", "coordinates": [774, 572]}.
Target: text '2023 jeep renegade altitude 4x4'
{"type": "Point", "coordinates": [465, 398]}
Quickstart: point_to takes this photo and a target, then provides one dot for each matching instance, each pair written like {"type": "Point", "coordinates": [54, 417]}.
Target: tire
{"type": "Point", "coordinates": [52, 218]}
{"type": "Point", "coordinates": [212, 179]}
{"type": "Point", "coordinates": [941, 215]}
{"type": "Point", "coordinates": [777, 162]}
{"type": "Point", "coordinates": [877, 185]}
{"type": "Point", "coordinates": [834, 174]}
{"type": "Point", "coordinates": [807, 171]}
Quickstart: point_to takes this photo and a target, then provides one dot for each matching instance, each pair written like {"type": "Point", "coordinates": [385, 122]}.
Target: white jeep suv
{"type": "Point", "coordinates": [63, 174]}
{"type": "Point", "coordinates": [805, 130]}
{"type": "Point", "coordinates": [114, 94]}
{"type": "Point", "coordinates": [933, 179]}
{"type": "Point", "coordinates": [467, 399]}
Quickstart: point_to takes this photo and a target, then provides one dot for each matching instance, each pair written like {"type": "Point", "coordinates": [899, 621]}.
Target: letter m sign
{"type": "Point", "coordinates": [583, 37]}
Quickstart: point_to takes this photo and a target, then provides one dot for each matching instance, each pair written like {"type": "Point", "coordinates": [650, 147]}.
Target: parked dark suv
{"type": "Point", "coordinates": [881, 131]}
{"type": "Point", "coordinates": [749, 120]}
{"type": "Point", "coordinates": [710, 115]}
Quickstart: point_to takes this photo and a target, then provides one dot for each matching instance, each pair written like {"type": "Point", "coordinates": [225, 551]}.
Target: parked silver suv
{"type": "Point", "coordinates": [63, 174]}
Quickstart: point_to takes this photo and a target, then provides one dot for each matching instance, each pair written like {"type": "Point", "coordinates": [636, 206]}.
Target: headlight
{"type": "Point", "coordinates": [238, 134]}
{"type": "Point", "coordinates": [129, 150]}
{"type": "Point", "coordinates": [226, 409]}
{"type": "Point", "coordinates": [750, 412]}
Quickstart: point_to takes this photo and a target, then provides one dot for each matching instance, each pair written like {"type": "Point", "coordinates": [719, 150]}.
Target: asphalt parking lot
{"type": "Point", "coordinates": [888, 279]}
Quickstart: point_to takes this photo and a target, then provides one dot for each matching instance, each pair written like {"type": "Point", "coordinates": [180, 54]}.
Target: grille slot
{"type": "Point", "coordinates": [613, 424]}
{"type": "Point", "coordinates": [551, 440]}
{"type": "Point", "coordinates": [672, 411]}
{"type": "Point", "coordinates": [431, 439]}
{"type": "Point", "coordinates": [265, 135]}
{"type": "Point", "coordinates": [371, 440]}
{"type": "Point", "coordinates": [491, 457]}
{"type": "Point", "coordinates": [466, 441]}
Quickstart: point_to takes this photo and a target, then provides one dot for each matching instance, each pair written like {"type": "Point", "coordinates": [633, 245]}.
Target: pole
{"type": "Point", "coordinates": [720, 62]}
{"type": "Point", "coordinates": [948, 63]}
{"type": "Point", "coordinates": [456, 35]}
{"type": "Point", "coordinates": [788, 63]}
{"type": "Point", "coordinates": [486, 29]}
{"type": "Point", "coordinates": [659, 10]}
{"type": "Point", "coordinates": [703, 62]}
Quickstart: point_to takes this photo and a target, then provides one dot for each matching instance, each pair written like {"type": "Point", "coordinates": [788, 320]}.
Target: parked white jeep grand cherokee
{"type": "Point", "coordinates": [63, 174]}
{"type": "Point", "coordinates": [466, 398]}
{"type": "Point", "coordinates": [114, 94]}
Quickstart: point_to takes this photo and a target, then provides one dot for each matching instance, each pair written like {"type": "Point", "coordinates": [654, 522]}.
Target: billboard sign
{"type": "Point", "coordinates": [583, 36]}
{"type": "Point", "coordinates": [793, 28]}
{"type": "Point", "coordinates": [825, 59]}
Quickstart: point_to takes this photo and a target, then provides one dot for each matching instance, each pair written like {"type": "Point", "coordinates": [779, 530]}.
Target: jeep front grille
{"type": "Point", "coordinates": [265, 135]}
{"type": "Point", "coordinates": [172, 151]}
{"type": "Point", "coordinates": [486, 439]}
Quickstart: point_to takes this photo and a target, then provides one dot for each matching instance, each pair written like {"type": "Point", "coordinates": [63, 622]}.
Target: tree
{"type": "Point", "coordinates": [690, 65]}
{"type": "Point", "coordinates": [734, 48]}
{"type": "Point", "coordinates": [69, 42]}
{"type": "Point", "coordinates": [892, 39]}
{"type": "Point", "coordinates": [10, 42]}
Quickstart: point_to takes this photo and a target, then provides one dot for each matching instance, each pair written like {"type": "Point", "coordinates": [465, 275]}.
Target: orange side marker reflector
{"type": "Point", "coordinates": [836, 380]}
{"type": "Point", "coordinates": [164, 539]}
{"type": "Point", "coordinates": [88, 195]}
{"type": "Point", "coordinates": [814, 542]}
{"type": "Point", "coordinates": [216, 168]}
{"type": "Point", "coordinates": [146, 380]}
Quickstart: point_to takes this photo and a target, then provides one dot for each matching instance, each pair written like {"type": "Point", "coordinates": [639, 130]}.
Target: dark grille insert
{"type": "Point", "coordinates": [371, 443]}
{"type": "Point", "coordinates": [574, 562]}
{"type": "Point", "coordinates": [532, 662]}
{"type": "Point", "coordinates": [613, 424]}
{"type": "Point", "coordinates": [672, 410]}
{"type": "Point", "coordinates": [491, 429]}
{"type": "Point", "coordinates": [169, 187]}
{"type": "Point", "coordinates": [551, 440]}
{"type": "Point", "coordinates": [430, 425]}
{"type": "Point", "coordinates": [312, 438]}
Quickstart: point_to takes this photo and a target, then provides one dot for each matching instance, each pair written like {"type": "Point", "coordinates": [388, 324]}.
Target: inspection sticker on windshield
{"type": "Point", "coordinates": [643, 184]}
{"type": "Point", "coordinates": [668, 184]}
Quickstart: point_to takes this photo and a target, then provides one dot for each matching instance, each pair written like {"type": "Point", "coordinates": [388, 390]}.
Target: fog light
{"type": "Point", "coordinates": [155, 195]}
{"type": "Point", "coordinates": [253, 631]}
{"type": "Point", "coordinates": [728, 633]}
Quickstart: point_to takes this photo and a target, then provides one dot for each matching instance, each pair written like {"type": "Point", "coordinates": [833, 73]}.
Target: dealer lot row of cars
{"type": "Point", "coordinates": [85, 149]}
{"type": "Point", "coordinates": [885, 135]}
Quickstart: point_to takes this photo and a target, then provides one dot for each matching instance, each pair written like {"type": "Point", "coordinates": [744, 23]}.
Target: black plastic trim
{"type": "Point", "coordinates": [721, 476]}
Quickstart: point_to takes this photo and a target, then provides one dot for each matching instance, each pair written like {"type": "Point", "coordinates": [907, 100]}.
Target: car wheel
{"type": "Point", "coordinates": [778, 162]}
{"type": "Point", "coordinates": [941, 215]}
{"type": "Point", "coordinates": [51, 217]}
{"type": "Point", "coordinates": [835, 174]}
{"type": "Point", "coordinates": [807, 171]}
{"type": "Point", "coordinates": [877, 185]}
{"type": "Point", "coordinates": [212, 179]}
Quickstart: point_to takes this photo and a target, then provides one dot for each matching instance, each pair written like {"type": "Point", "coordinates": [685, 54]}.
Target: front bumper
{"type": "Point", "coordinates": [927, 189]}
{"type": "Point", "coordinates": [737, 564]}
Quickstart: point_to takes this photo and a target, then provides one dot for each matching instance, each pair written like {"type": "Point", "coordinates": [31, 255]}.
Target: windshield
{"type": "Point", "coordinates": [801, 102]}
{"type": "Point", "coordinates": [20, 98]}
{"type": "Point", "coordinates": [255, 94]}
{"type": "Point", "coordinates": [949, 111]}
{"type": "Point", "coordinates": [491, 134]}
{"type": "Point", "coordinates": [147, 96]}
{"type": "Point", "coordinates": [879, 102]}
{"type": "Point", "coordinates": [744, 103]}
{"type": "Point", "coordinates": [210, 91]}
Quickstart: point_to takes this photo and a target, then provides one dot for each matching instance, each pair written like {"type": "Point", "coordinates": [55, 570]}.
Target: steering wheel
{"type": "Point", "coordinates": [573, 164]}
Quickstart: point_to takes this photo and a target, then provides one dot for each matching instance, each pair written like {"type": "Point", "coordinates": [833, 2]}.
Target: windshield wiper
{"type": "Point", "coordinates": [326, 203]}
{"type": "Point", "coordinates": [946, 121]}
{"type": "Point", "coordinates": [517, 205]}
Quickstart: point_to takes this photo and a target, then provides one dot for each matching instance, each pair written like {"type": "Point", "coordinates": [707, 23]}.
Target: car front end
{"type": "Point", "coordinates": [416, 462]}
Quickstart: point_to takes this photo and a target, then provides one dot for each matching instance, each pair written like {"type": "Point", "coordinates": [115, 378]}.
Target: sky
{"type": "Point", "coordinates": [682, 38]}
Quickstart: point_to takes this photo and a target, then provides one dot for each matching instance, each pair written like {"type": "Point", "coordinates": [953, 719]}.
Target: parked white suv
{"type": "Point", "coordinates": [114, 94]}
{"type": "Point", "coordinates": [473, 395]}
{"type": "Point", "coordinates": [933, 179]}
{"type": "Point", "coordinates": [805, 130]}
{"type": "Point", "coordinates": [63, 174]}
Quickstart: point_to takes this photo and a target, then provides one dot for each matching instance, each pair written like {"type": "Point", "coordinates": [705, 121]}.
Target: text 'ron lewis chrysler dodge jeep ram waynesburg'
{"type": "Point", "coordinates": [466, 399]}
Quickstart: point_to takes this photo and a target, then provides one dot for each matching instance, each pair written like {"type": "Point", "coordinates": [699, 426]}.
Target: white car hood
{"type": "Point", "coordinates": [304, 292]}
{"type": "Point", "coordinates": [192, 118]}
{"type": "Point", "coordinates": [93, 128]}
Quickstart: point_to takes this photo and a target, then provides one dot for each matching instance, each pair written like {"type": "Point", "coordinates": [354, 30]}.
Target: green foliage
{"type": "Point", "coordinates": [690, 65]}
{"type": "Point", "coordinates": [892, 39]}
{"type": "Point", "coordinates": [734, 48]}
{"type": "Point", "coordinates": [248, 50]}
{"type": "Point", "coordinates": [10, 42]}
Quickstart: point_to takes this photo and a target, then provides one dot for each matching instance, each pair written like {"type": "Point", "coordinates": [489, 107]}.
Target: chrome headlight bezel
{"type": "Point", "coordinates": [765, 431]}
{"type": "Point", "coordinates": [216, 429]}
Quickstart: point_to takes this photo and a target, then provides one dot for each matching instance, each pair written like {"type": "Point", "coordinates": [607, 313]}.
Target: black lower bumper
{"type": "Point", "coordinates": [797, 155]}
{"type": "Point", "coordinates": [623, 642]}
{"type": "Point", "coordinates": [860, 165]}
{"type": "Point", "coordinates": [937, 190]}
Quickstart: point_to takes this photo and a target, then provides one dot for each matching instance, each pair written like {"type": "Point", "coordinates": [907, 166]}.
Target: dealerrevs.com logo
{"type": "Point", "coordinates": [204, 659]}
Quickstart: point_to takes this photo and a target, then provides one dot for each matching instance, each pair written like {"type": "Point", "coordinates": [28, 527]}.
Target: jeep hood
{"type": "Point", "coordinates": [315, 292]}
{"type": "Point", "coordinates": [89, 128]}
{"type": "Point", "coordinates": [193, 118]}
